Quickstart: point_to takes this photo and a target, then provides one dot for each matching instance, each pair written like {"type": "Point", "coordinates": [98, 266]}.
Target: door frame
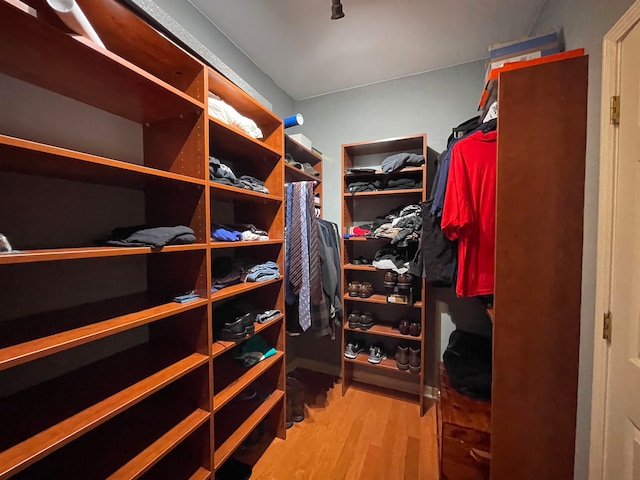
{"type": "Point", "coordinates": [611, 51]}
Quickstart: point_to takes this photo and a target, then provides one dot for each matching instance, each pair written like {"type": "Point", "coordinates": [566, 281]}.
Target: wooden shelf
{"type": "Point", "coordinates": [381, 299]}
{"type": "Point", "coordinates": [162, 446]}
{"type": "Point", "coordinates": [84, 72]}
{"type": "Point", "coordinates": [385, 146]}
{"type": "Point", "coordinates": [230, 391]}
{"type": "Point", "coordinates": [300, 153]}
{"type": "Point", "coordinates": [385, 330]}
{"type": "Point", "coordinates": [388, 363]}
{"type": "Point", "coordinates": [33, 158]}
{"type": "Point", "coordinates": [363, 267]}
{"type": "Point", "coordinates": [377, 193]}
{"type": "Point", "coordinates": [215, 244]}
{"type": "Point", "coordinates": [220, 346]}
{"type": "Point", "coordinates": [460, 410]}
{"type": "Point", "coordinates": [26, 339]}
{"type": "Point", "coordinates": [101, 391]}
{"type": "Point", "coordinates": [227, 192]}
{"type": "Point", "coordinates": [54, 254]}
{"type": "Point", "coordinates": [226, 449]}
{"type": "Point", "coordinates": [234, 290]}
{"type": "Point", "coordinates": [234, 142]}
{"type": "Point", "coordinates": [379, 172]}
{"type": "Point", "coordinates": [294, 174]}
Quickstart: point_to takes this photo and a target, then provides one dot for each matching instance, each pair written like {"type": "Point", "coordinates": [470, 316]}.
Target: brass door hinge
{"type": "Point", "coordinates": [606, 327]}
{"type": "Point", "coordinates": [614, 110]}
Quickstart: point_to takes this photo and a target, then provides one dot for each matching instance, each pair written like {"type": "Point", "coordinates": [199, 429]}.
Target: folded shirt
{"type": "Point", "coordinates": [262, 272]}
{"type": "Point", "coordinates": [151, 237]}
{"type": "Point", "coordinates": [400, 160]}
{"type": "Point", "coordinates": [225, 233]}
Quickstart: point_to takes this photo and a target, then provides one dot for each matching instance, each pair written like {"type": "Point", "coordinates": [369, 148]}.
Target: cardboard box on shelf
{"type": "Point", "coordinates": [529, 48]}
{"type": "Point", "coordinates": [302, 140]}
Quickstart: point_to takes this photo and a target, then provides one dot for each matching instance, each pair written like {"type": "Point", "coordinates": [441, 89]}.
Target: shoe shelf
{"type": "Point", "coordinates": [380, 299]}
{"type": "Point", "coordinates": [29, 338]}
{"type": "Point", "coordinates": [388, 363]}
{"type": "Point", "coordinates": [89, 74]}
{"type": "Point", "coordinates": [361, 208]}
{"type": "Point", "coordinates": [221, 346]}
{"type": "Point", "coordinates": [101, 391]}
{"type": "Point", "coordinates": [243, 381]}
{"type": "Point", "coordinates": [225, 450]}
{"type": "Point", "coordinates": [385, 330]}
{"type": "Point", "coordinates": [234, 290]}
{"type": "Point", "coordinates": [377, 193]}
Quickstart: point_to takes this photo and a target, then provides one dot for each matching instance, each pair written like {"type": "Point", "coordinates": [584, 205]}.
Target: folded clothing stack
{"type": "Point", "coordinates": [145, 236]}
{"type": "Point", "coordinates": [224, 112]}
{"type": "Point", "coordinates": [401, 225]}
{"type": "Point", "coordinates": [236, 233]}
{"type": "Point", "coordinates": [221, 173]}
{"type": "Point", "coordinates": [227, 271]}
{"type": "Point", "coordinates": [400, 160]}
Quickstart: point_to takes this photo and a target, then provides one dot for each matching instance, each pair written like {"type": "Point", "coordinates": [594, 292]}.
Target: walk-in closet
{"type": "Point", "coordinates": [303, 240]}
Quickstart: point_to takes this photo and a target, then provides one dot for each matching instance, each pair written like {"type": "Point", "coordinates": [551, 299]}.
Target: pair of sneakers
{"type": "Point", "coordinates": [376, 352]}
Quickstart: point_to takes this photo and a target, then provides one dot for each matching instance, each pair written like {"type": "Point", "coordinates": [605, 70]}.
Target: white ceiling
{"type": "Point", "coordinates": [307, 54]}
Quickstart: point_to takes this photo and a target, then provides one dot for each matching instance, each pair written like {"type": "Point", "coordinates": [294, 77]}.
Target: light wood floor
{"type": "Point", "coordinates": [369, 434]}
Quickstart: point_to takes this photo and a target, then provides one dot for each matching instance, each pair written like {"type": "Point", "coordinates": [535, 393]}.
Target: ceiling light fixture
{"type": "Point", "coordinates": [336, 10]}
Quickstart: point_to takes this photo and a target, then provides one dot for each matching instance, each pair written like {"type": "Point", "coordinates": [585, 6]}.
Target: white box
{"type": "Point", "coordinates": [302, 140]}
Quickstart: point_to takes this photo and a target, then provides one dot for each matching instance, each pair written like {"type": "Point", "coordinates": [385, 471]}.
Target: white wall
{"type": "Point", "coordinates": [431, 102]}
{"type": "Point", "coordinates": [585, 22]}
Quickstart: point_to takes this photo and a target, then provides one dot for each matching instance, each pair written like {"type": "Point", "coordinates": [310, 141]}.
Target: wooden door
{"type": "Point", "coordinates": [622, 428]}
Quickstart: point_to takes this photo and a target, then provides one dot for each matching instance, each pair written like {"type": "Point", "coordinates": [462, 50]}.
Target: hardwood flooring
{"type": "Point", "coordinates": [369, 434]}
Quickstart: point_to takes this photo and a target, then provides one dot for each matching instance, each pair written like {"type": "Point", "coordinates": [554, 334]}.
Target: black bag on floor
{"type": "Point", "coordinates": [467, 360]}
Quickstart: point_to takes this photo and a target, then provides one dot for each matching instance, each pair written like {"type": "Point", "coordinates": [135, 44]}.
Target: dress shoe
{"type": "Point", "coordinates": [390, 279]}
{"type": "Point", "coordinates": [354, 289]}
{"type": "Point", "coordinates": [404, 327]}
{"type": "Point", "coordinates": [405, 280]}
{"type": "Point", "coordinates": [415, 329]}
{"type": "Point", "coordinates": [238, 328]}
{"type": "Point", "coordinates": [366, 321]}
{"type": "Point", "coordinates": [414, 359]}
{"type": "Point", "coordinates": [366, 290]}
{"type": "Point", "coordinates": [402, 358]}
{"type": "Point", "coordinates": [354, 319]}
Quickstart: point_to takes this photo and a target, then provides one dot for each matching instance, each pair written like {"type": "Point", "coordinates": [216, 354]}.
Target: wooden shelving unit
{"type": "Point", "coordinates": [101, 374]}
{"type": "Point", "coordinates": [536, 334]}
{"type": "Point", "coordinates": [361, 208]}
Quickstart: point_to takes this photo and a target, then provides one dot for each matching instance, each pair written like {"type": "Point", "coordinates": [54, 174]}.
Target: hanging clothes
{"type": "Point", "coordinates": [469, 211]}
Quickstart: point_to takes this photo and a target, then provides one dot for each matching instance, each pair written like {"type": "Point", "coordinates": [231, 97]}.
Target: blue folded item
{"type": "Point", "coordinates": [262, 272]}
{"type": "Point", "coordinates": [225, 233]}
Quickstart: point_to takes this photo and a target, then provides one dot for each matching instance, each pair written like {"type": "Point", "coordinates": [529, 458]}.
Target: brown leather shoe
{"type": "Point", "coordinates": [414, 359]}
{"type": "Point", "coordinates": [402, 358]}
{"type": "Point", "coordinates": [354, 319]}
{"type": "Point", "coordinates": [366, 321]}
{"type": "Point", "coordinates": [415, 329]}
{"type": "Point", "coordinates": [354, 289]}
{"type": "Point", "coordinates": [366, 290]}
{"type": "Point", "coordinates": [404, 327]}
{"type": "Point", "coordinates": [390, 279]}
{"type": "Point", "coordinates": [405, 280]}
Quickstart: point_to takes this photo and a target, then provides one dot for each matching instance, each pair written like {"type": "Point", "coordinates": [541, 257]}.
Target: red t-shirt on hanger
{"type": "Point", "coordinates": [469, 213]}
